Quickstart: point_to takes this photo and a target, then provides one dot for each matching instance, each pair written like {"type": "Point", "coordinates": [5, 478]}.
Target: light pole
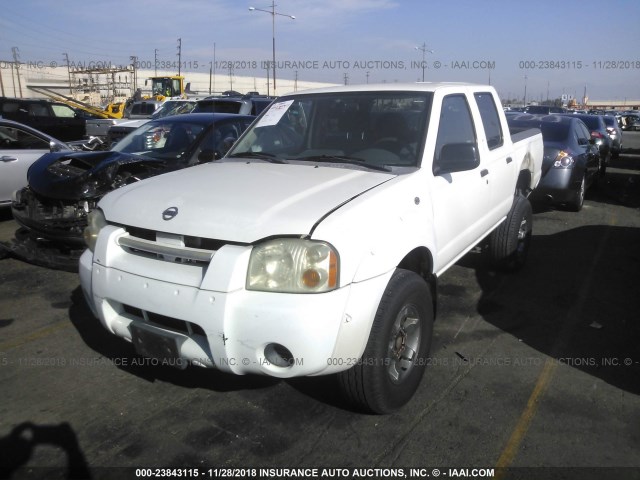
{"type": "Point", "coordinates": [423, 48]}
{"type": "Point", "coordinates": [273, 14]}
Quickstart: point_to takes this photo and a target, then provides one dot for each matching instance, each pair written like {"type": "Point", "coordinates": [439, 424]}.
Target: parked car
{"type": "Point", "coordinates": [543, 109]}
{"type": "Point", "coordinates": [142, 109]}
{"type": "Point", "coordinates": [64, 187]}
{"type": "Point", "coordinates": [629, 121]}
{"type": "Point", "coordinates": [599, 133]}
{"type": "Point", "coordinates": [20, 146]}
{"type": "Point", "coordinates": [55, 119]}
{"type": "Point", "coordinates": [615, 134]}
{"type": "Point", "coordinates": [571, 158]}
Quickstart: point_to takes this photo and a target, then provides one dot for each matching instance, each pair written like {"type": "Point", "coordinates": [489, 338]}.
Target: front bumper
{"type": "Point", "coordinates": [558, 185]}
{"type": "Point", "coordinates": [61, 221]}
{"type": "Point", "coordinates": [203, 315]}
{"type": "Point", "coordinates": [50, 232]}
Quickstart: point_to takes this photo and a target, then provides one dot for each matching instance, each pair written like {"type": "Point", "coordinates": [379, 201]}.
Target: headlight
{"type": "Point", "coordinates": [16, 196]}
{"type": "Point", "coordinates": [291, 265]}
{"type": "Point", "coordinates": [95, 223]}
{"type": "Point", "coordinates": [563, 160]}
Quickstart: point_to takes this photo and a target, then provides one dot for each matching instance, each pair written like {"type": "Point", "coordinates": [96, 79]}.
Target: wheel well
{"type": "Point", "coordinates": [420, 261]}
{"type": "Point", "coordinates": [523, 185]}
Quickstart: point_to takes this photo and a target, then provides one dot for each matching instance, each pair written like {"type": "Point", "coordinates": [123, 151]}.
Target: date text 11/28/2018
{"type": "Point", "coordinates": [579, 65]}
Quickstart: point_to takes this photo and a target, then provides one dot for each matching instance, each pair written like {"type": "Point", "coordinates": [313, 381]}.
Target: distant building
{"type": "Point", "coordinates": [614, 104]}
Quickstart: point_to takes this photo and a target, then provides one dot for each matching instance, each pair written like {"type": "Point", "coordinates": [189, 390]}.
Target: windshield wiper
{"type": "Point", "coordinates": [269, 157]}
{"type": "Point", "coordinates": [345, 159]}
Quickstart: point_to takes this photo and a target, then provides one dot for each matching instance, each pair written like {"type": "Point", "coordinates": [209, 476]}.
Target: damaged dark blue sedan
{"type": "Point", "coordinates": [571, 162]}
{"type": "Point", "coordinates": [64, 187]}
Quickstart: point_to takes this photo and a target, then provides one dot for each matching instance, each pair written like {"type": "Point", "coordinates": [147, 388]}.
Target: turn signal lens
{"type": "Point", "coordinates": [95, 222]}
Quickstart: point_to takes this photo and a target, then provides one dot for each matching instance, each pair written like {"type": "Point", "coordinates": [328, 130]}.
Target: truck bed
{"type": "Point", "coordinates": [520, 133]}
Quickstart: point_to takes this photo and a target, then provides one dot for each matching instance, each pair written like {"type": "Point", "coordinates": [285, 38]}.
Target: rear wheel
{"type": "Point", "coordinates": [395, 358]}
{"type": "Point", "coordinates": [603, 166]}
{"type": "Point", "coordinates": [509, 243]}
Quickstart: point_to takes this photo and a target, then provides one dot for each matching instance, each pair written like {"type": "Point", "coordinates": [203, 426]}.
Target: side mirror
{"type": "Point", "coordinates": [457, 157]}
{"type": "Point", "coordinates": [54, 147]}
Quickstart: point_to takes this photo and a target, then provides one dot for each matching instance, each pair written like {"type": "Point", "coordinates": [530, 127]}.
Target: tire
{"type": "Point", "coordinates": [576, 204]}
{"type": "Point", "coordinates": [603, 168]}
{"type": "Point", "coordinates": [396, 354]}
{"type": "Point", "coordinates": [509, 243]}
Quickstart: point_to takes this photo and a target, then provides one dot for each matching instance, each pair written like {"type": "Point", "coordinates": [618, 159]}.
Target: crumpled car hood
{"type": "Point", "coordinates": [87, 175]}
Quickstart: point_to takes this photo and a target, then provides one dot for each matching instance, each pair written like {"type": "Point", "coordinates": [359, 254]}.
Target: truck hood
{"type": "Point", "coordinates": [239, 201]}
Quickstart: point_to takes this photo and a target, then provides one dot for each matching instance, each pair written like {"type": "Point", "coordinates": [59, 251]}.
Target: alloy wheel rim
{"type": "Point", "coordinates": [404, 343]}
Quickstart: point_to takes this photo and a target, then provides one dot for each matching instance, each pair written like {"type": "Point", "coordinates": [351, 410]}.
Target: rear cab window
{"type": "Point", "coordinates": [490, 119]}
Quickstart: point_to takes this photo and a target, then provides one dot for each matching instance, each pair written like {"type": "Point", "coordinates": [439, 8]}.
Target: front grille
{"type": "Point", "coordinates": [169, 247]}
{"type": "Point", "coordinates": [141, 233]}
{"type": "Point", "coordinates": [168, 323]}
{"type": "Point", "coordinates": [191, 242]}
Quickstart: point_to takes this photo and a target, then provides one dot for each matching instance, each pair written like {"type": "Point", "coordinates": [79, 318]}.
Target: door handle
{"type": "Point", "coordinates": [509, 159]}
{"type": "Point", "coordinates": [7, 159]}
{"type": "Point", "coordinates": [484, 173]}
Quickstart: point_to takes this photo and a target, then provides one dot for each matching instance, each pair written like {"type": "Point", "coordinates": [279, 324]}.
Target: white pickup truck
{"type": "Point", "coordinates": [314, 247]}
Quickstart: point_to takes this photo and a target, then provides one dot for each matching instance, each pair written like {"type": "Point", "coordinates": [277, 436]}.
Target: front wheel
{"type": "Point", "coordinates": [578, 201]}
{"type": "Point", "coordinates": [395, 357]}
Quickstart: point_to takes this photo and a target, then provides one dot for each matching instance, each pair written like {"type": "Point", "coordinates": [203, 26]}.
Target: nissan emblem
{"type": "Point", "coordinates": [169, 213]}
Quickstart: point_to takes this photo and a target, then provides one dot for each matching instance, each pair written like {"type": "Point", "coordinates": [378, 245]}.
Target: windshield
{"type": "Point", "coordinates": [173, 107]}
{"type": "Point", "coordinates": [219, 106]}
{"type": "Point", "coordinates": [592, 121]}
{"type": "Point", "coordinates": [555, 132]}
{"type": "Point", "coordinates": [373, 129]}
{"type": "Point", "coordinates": [167, 140]}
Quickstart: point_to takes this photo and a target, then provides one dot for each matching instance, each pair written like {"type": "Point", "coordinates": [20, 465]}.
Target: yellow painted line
{"type": "Point", "coordinates": [511, 449]}
{"type": "Point", "coordinates": [517, 436]}
{"type": "Point", "coordinates": [43, 332]}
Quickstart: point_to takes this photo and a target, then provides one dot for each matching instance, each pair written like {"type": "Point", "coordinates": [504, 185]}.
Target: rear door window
{"type": "Point", "coordinates": [490, 120]}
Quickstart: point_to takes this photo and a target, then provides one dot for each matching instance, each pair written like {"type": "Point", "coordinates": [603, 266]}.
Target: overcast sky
{"type": "Point", "coordinates": [561, 46]}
